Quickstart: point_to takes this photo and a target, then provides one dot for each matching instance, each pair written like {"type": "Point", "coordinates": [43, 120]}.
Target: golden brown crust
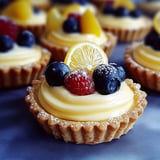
{"type": "Point", "coordinates": [86, 132]}
{"type": "Point", "coordinates": [145, 76]}
{"type": "Point", "coordinates": [128, 35]}
{"type": "Point", "coordinates": [13, 77]}
{"type": "Point", "coordinates": [59, 52]}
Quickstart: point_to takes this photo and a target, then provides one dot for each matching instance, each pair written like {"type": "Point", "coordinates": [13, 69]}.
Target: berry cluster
{"type": "Point", "coordinates": [72, 23]}
{"type": "Point", "coordinates": [106, 79]}
{"type": "Point", "coordinates": [153, 40]}
{"type": "Point", "coordinates": [9, 34]}
{"type": "Point", "coordinates": [121, 11]}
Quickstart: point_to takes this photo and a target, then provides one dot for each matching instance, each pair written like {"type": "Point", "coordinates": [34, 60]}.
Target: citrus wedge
{"type": "Point", "coordinates": [126, 3]}
{"type": "Point", "coordinates": [89, 23]}
{"type": "Point", "coordinates": [85, 56]}
{"type": "Point", "coordinates": [21, 10]}
{"type": "Point", "coordinates": [156, 22]}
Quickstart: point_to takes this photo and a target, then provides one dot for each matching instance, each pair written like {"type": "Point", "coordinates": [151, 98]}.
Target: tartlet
{"type": "Point", "coordinates": [26, 17]}
{"type": "Point", "coordinates": [21, 59]}
{"type": "Point", "coordinates": [82, 114]}
{"type": "Point", "coordinates": [127, 24]}
{"type": "Point", "coordinates": [59, 40]}
{"type": "Point", "coordinates": [143, 58]}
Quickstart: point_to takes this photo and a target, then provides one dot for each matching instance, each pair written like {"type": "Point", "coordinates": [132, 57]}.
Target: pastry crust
{"type": "Point", "coordinates": [59, 52]}
{"type": "Point", "coordinates": [13, 77]}
{"type": "Point", "coordinates": [91, 132]}
{"type": "Point", "coordinates": [145, 76]}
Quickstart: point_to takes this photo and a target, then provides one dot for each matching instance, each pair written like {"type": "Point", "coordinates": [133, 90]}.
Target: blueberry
{"type": "Point", "coordinates": [71, 25]}
{"type": "Point", "coordinates": [108, 9]}
{"type": "Point", "coordinates": [153, 40]}
{"type": "Point", "coordinates": [135, 13]}
{"type": "Point", "coordinates": [121, 12]}
{"type": "Point", "coordinates": [36, 10]}
{"type": "Point", "coordinates": [106, 79]}
{"type": "Point", "coordinates": [120, 70]}
{"type": "Point", "coordinates": [26, 38]}
{"type": "Point", "coordinates": [55, 73]}
{"type": "Point", "coordinates": [6, 43]}
{"type": "Point", "coordinates": [4, 3]}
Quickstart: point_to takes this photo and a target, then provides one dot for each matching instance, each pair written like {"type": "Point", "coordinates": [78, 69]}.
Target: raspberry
{"type": "Point", "coordinates": [7, 27]}
{"type": "Point", "coordinates": [79, 82]}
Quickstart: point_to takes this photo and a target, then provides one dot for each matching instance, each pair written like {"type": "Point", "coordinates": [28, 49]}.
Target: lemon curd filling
{"type": "Point", "coordinates": [122, 22]}
{"type": "Point", "coordinates": [147, 57]}
{"type": "Point", "coordinates": [95, 107]}
{"type": "Point", "coordinates": [20, 56]}
{"type": "Point", "coordinates": [64, 39]}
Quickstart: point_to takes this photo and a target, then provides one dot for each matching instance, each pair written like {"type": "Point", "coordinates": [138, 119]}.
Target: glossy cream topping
{"type": "Point", "coordinates": [64, 39]}
{"type": "Point", "coordinates": [95, 107]}
{"type": "Point", "coordinates": [34, 19]}
{"type": "Point", "coordinates": [123, 22]}
{"type": "Point", "coordinates": [147, 57]}
{"type": "Point", "coordinates": [20, 56]}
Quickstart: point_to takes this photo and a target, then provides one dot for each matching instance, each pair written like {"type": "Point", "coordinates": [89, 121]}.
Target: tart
{"type": "Point", "coordinates": [21, 60]}
{"type": "Point", "coordinates": [78, 4]}
{"type": "Point", "coordinates": [26, 17]}
{"type": "Point", "coordinates": [125, 21]}
{"type": "Point", "coordinates": [64, 31]}
{"type": "Point", "coordinates": [143, 59]}
{"type": "Point", "coordinates": [150, 6]}
{"type": "Point", "coordinates": [76, 107]}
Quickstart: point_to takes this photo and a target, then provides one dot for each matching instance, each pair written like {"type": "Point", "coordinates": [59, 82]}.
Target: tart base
{"type": "Point", "coordinates": [148, 78]}
{"type": "Point", "coordinates": [14, 77]}
{"type": "Point", "coordinates": [91, 132]}
{"type": "Point", "coordinates": [59, 52]}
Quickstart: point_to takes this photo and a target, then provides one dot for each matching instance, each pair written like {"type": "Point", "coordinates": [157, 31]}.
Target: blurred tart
{"type": "Point", "coordinates": [21, 60]}
{"type": "Point", "coordinates": [125, 21]}
{"type": "Point", "coordinates": [26, 16]}
{"type": "Point", "coordinates": [64, 31]}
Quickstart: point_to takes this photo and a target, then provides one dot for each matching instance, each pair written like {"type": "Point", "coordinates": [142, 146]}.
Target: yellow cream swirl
{"type": "Point", "coordinates": [95, 107]}
{"type": "Point", "coordinates": [63, 39]}
{"type": "Point", "coordinates": [34, 19]}
{"type": "Point", "coordinates": [147, 57]}
{"type": "Point", "coordinates": [123, 22]}
{"type": "Point", "coordinates": [20, 56]}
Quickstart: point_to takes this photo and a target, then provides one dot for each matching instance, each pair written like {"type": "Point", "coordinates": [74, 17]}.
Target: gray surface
{"type": "Point", "coordinates": [22, 138]}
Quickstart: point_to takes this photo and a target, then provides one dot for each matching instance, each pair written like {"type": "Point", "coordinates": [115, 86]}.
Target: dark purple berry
{"type": "Point", "coordinates": [71, 25]}
{"type": "Point", "coordinates": [135, 13]}
{"type": "Point", "coordinates": [153, 40]}
{"type": "Point", "coordinates": [55, 73]}
{"type": "Point", "coordinates": [36, 10]}
{"type": "Point", "coordinates": [108, 9]}
{"type": "Point", "coordinates": [106, 79]}
{"type": "Point", "coordinates": [26, 39]}
{"type": "Point", "coordinates": [6, 43]}
{"type": "Point", "coordinates": [120, 70]}
{"type": "Point", "coordinates": [121, 12]}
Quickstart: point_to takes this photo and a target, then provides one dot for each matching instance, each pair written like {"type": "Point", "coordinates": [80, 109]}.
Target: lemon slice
{"type": "Point", "coordinates": [156, 22]}
{"type": "Point", "coordinates": [73, 8]}
{"type": "Point", "coordinates": [85, 56]}
{"type": "Point", "coordinates": [125, 3]}
{"type": "Point", "coordinates": [54, 19]}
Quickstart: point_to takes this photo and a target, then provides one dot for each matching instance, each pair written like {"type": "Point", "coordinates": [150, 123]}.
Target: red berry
{"type": "Point", "coordinates": [75, 16]}
{"type": "Point", "coordinates": [79, 82]}
{"type": "Point", "coordinates": [7, 27]}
